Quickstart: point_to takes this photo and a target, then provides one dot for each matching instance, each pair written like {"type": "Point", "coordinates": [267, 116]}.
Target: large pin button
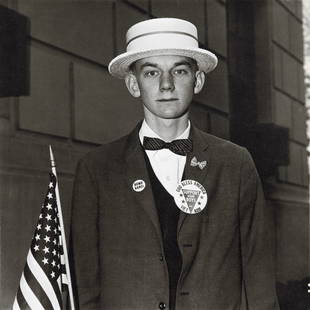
{"type": "Point", "coordinates": [190, 196]}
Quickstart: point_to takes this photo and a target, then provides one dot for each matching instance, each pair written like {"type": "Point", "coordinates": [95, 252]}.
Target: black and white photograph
{"type": "Point", "coordinates": [154, 154]}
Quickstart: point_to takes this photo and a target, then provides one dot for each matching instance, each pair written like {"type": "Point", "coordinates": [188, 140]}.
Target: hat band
{"type": "Point", "coordinates": [161, 32]}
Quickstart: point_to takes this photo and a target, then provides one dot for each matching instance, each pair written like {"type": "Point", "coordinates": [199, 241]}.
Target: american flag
{"type": "Point", "coordinates": [44, 276]}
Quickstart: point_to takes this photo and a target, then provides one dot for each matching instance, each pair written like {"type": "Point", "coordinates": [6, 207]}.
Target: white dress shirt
{"type": "Point", "coordinates": [167, 166]}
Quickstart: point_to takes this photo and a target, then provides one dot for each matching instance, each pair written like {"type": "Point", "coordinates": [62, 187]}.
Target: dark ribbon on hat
{"type": "Point", "coordinates": [179, 146]}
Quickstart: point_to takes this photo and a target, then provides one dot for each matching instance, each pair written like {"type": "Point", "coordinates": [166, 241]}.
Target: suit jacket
{"type": "Point", "coordinates": [117, 249]}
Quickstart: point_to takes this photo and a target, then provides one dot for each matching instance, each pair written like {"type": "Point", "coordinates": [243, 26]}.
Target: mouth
{"type": "Point", "coordinates": [167, 100]}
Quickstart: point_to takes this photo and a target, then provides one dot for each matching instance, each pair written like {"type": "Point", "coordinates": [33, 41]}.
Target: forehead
{"type": "Point", "coordinates": [165, 60]}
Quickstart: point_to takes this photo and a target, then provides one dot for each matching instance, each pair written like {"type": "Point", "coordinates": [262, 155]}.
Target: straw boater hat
{"type": "Point", "coordinates": [162, 36]}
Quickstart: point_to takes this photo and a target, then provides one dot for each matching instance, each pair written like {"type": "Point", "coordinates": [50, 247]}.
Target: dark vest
{"type": "Point", "coordinates": [168, 214]}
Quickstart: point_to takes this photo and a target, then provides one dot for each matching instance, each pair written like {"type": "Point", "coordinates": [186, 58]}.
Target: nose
{"type": "Point", "coordinates": [166, 82]}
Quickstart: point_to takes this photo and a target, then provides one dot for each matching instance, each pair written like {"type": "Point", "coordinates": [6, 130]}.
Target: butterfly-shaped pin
{"type": "Point", "coordinates": [200, 164]}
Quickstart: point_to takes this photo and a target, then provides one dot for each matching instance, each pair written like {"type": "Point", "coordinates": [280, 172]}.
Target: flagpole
{"type": "Point", "coordinates": [53, 164]}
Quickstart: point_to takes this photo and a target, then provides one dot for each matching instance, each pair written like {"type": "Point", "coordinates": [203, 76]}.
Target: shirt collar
{"type": "Point", "coordinates": [145, 130]}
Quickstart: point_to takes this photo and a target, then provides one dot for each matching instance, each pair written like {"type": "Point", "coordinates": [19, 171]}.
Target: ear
{"type": "Point", "coordinates": [200, 80]}
{"type": "Point", "coordinates": [132, 85]}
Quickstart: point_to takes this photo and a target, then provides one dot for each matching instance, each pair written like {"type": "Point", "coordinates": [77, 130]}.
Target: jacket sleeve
{"type": "Point", "coordinates": [84, 242]}
{"type": "Point", "coordinates": [256, 232]}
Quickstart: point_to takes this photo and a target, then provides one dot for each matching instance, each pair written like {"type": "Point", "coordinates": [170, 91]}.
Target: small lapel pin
{"type": "Point", "coordinates": [200, 164]}
{"type": "Point", "coordinates": [138, 185]}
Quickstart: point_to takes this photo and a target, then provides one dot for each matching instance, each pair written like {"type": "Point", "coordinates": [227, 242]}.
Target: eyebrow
{"type": "Point", "coordinates": [149, 64]}
{"type": "Point", "coordinates": [176, 64]}
{"type": "Point", "coordinates": [183, 63]}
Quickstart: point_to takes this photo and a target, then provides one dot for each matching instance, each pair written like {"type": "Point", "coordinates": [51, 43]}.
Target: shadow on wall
{"type": "Point", "coordinates": [294, 295]}
{"type": "Point", "coordinates": [14, 53]}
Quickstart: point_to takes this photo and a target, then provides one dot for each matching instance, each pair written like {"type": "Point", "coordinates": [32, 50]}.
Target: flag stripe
{"type": "Point", "coordinates": [43, 280]}
{"type": "Point", "coordinates": [21, 300]}
{"type": "Point", "coordinates": [37, 289]}
{"type": "Point", "coordinates": [31, 299]}
{"type": "Point", "coordinates": [64, 279]}
{"type": "Point", "coordinates": [57, 289]}
{"type": "Point", "coordinates": [16, 305]}
{"type": "Point", "coordinates": [63, 270]}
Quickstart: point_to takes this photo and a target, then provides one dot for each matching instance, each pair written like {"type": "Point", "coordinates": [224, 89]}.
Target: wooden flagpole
{"type": "Point", "coordinates": [62, 228]}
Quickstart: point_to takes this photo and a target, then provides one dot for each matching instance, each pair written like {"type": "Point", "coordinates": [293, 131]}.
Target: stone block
{"type": "Point", "coordinates": [6, 128]}
{"type": "Point", "coordinates": [296, 38]}
{"type": "Point", "coordinates": [299, 132]}
{"type": "Point", "coordinates": [104, 109]}
{"type": "Point", "coordinates": [290, 75]}
{"type": "Point", "coordinates": [298, 9]}
{"type": "Point", "coordinates": [80, 27]}
{"type": "Point", "coordinates": [14, 53]}
{"type": "Point", "coordinates": [291, 241]}
{"type": "Point", "coordinates": [282, 110]}
{"type": "Point", "coordinates": [277, 67]}
{"type": "Point", "coordinates": [193, 11]}
{"type": "Point", "coordinates": [219, 125]}
{"type": "Point", "coordinates": [47, 108]}
{"type": "Point", "coordinates": [215, 92]}
{"type": "Point", "coordinates": [282, 174]}
{"type": "Point", "coordinates": [305, 167]}
{"type": "Point", "coordinates": [4, 107]}
{"type": "Point", "coordinates": [280, 23]}
{"type": "Point", "coordinates": [143, 4]}
{"type": "Point", "coordinates": [294, 170]}
{"type": "Point", "coordinates": [33, 154]}
{"type": "Point", "coordinates": [284, 191]}
{"type": "Point", "coordinates": [15, 154]}
{"type": "Point", "coordinates": [301, 84]}
{"type": "Point", "coordinates": [289, 5]}
{"type": "Point", "coordinates": [126, 16]}
{"type": "Point", "coordinates": [217, 27]}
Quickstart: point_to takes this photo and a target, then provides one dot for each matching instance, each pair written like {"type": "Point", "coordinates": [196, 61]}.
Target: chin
{"type": "Point", "coordinates": [172, 113]}
{"type": "Point", "coordinates": [169, 113]}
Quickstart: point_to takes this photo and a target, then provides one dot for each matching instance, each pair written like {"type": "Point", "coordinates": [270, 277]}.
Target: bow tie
{"type": "Point", "coordinates": [180, 146]}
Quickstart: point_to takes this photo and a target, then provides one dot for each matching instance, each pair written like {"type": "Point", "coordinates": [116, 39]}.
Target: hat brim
{"type": "Point", "coordinates": [119, 66]}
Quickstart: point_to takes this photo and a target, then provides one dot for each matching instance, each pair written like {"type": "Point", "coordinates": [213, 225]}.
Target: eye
{"type": "Point", "coordinates": [151, 73]}
{"type": "Point", "coordinates": [180, 72]}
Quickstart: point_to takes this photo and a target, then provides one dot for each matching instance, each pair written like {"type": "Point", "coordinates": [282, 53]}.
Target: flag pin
{"type": "Point", "coordinates": [196, 163]}
{"type": "Point", "coordinates": [138, 185]}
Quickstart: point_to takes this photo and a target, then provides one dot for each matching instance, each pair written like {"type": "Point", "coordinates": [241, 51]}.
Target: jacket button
{"type": "Point", "coordinates": [161, 257]}
{"type": "Point", "coordinates": [162, 305]}
{"type": "Point", "coordinates": [184, 293]}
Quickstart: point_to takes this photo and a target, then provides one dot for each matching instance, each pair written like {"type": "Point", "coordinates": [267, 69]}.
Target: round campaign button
{"type": "Point", "coordinates": [190, 197]}
{"type": "Point", "coordinates": [138, 185]}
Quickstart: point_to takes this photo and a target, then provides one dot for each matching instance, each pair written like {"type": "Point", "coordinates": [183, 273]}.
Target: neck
{"type": "Point", "coordinates": [168, 129]}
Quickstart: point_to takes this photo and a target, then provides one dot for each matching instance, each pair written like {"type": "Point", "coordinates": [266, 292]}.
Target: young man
{"type": "Point", "coordinates": [169, 217]}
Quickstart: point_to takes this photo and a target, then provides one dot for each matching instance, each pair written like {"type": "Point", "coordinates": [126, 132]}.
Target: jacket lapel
{"type": "Point", "coordinates": [135, 168]}
{"type": "Point", "coordinates": [194, 172]}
